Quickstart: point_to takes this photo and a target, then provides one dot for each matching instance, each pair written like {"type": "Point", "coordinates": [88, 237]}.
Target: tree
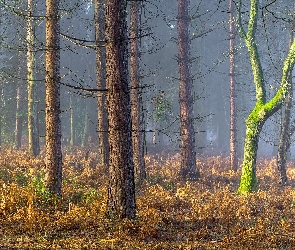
{"type": "Point", "coordinates": [233, 125]}
{"type": "Point", "coordinates": [52, 82]}
{"type": "Point", "coordinates": [285, 126]}
{"type": "Point", "coordinates": [188, 155]}
{"type": "Point", "coordinates": [121, 190]}
{"type": "Point", "coordinates": [33, 134]}
{"type": "Point", "coordinates": [263, 109]}
{"type": "Point", "coordinates": [103, 144]}
{"type": "Point", "coordinates": [136, 98]}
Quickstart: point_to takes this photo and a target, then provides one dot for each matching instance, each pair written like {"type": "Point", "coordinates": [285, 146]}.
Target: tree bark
{"type": "Point", "coordinates": [263, 109]}
{"type": "Point", "coordinates": [285, 127]}
{"type": "Point", "coordinates": [121, 190]}
{"type": "Point", "coordinates": [103, 144]}
{"type": "Point", "coordinates": [52, 81]}
{"type": "Point", "coordinates": [233, 124]}
{"type": "Point", "coordinates": [136, 98]}
{"type": "Point", "coordinates": [33, 135]}
{"type": "Point", "coordinates": [188, 155]}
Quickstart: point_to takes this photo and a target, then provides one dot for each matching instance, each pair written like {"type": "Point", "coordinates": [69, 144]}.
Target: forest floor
{"type": "Point", "coordinates": [172, 214]}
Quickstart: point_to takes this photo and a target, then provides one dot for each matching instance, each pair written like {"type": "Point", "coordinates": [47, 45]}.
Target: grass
{"type": "Point", "coordinates": [172, 214]}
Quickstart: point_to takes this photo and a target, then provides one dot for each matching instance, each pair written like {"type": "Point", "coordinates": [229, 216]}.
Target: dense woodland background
{"type": "Point", "coordinates": [172, 212]}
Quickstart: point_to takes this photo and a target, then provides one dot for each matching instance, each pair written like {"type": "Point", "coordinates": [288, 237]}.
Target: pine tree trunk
{"type": "Point", "coordinates": [285, 127]}
{"type": "Point", "coordinates": [33, 135]}
{"type": "Point", "coordinates": [121, 190]}
{"type": "Point", "coordinates": [103, 143]}
{"type": "Point", "coordinates": [188, 155]}
{"type": "Point", "coordinates": [52, 81]}
{"type": "Point", "coordinates": [233, 124]}
{"type": "Point", "coordinates": [136, 99]}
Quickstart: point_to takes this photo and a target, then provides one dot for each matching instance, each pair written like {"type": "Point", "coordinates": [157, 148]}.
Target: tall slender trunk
{"type": "Point", "coordinates": [1, 112]}
{"type": "Point", "coordinates": [233, 124]}
{"type": "Point", "coordinates": [136, 98]}
{"type": "Point", "coordinates": [103, 143]}
{"type": "Point", "coordinates": [285, 127]}
{"type": "Point", "coordinates": [86, 125]}
{"type": "Point", "coordinates": [18, 119]}
{"type": "Point", "coordinates": [121, 189]}
{"type": "Point", "coordinates": [72, 131]}
{"type": "Point", "coordinates": [19, 116]}
{"type": "Point", "coordinates": [52, 84]}
{"type": "Point", "coordinates": [188, 155]}
{"type": "Point", "coordinates": [33, 136]}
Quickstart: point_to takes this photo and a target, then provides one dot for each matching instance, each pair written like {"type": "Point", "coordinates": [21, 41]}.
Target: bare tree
{"type": "Point", "coordinates": [121, 190]}
{"type": "Point", "coordinates": [52, 82]}
{"type": "Point", "coordinates": [188, 155]}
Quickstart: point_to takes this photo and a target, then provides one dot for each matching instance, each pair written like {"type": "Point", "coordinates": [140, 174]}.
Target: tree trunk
{"type": "Point", "coordinates": [188, 155]}
{"type": "Point", "coordinates": [19, 116]}
{"type": "Point", "coordinates": [103, 143]}
{"type": "Point", "coordinates": [1, 112]}
{"type": "Point", "coordinates": [18, 119]}
{"type": "Point", "coordinates": [33, 136]}
{"type": "Point", "coordinates": [233, 124]}
{"type": "Point", "coordinates": [72, 131]}
{"type": "Point", "coordinates": [136, 98]}
{"type": "Point", "coordinates": [52, 81]}
{"type": "Point", "coordinates": [86, 125]}
{"type": "Point", "coordinates": [121, 190]}
{"type": "Point", "coordinates": [285, 127]}
{"type": "Point", "coordinates": [262, 110]}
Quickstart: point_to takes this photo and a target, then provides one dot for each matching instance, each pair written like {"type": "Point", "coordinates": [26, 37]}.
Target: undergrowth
{"type": "Point", "coordinates": [171, 213]}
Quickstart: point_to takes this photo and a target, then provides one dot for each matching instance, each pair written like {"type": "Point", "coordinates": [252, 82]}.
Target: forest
{"type": "Point", "coordinates": [147, 124]}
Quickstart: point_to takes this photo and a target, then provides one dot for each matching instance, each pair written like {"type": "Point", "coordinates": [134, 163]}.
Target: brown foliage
{"type": "Point", "coordinates": [171, 214]}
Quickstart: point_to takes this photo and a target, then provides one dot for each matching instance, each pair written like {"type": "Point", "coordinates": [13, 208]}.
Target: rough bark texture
{"type": "Point", "coordinates": [233, 124]}
{"type": "Point", "coordinates": [136, 99]}
{"type": "Point", "coordinates": [103, 143]}
{"type": "Point", "coordinates": [188, 155]}
{"type": "Point", "coordinates": [52, 81]}
{"type": "Point", "coordinates": [121, 190]}
{"type": "Point", "coordinates": [33, 135]}
{"type": "Point", "coordinates": [285, 127]}
{"type": "Point", "coordinates": [262, 110]}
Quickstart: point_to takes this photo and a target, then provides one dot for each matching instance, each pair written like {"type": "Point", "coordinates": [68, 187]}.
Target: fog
{"type": "Point", "coordinates": [210, 69]}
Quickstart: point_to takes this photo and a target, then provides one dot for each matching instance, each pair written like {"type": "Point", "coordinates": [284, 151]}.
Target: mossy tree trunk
{"type": "Point", "coordinates": [263, 109]}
